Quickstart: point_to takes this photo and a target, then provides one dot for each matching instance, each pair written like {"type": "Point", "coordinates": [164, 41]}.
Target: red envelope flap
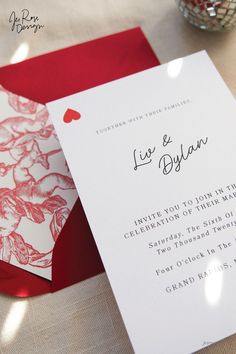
{"type": "Point", "coordinates": [77, 68]}
{"type": "Point", "coordinates": [17, 282]}
{"type": "Point", "coordinates": [49, 77]}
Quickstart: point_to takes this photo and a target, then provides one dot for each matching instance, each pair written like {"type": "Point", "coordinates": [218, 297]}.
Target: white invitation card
{"type": "Point", "coordinates": [153, 159]}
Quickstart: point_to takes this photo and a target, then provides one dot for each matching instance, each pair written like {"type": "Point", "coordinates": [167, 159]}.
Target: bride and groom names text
{"type": "Point", "coordinates": [167, 162]}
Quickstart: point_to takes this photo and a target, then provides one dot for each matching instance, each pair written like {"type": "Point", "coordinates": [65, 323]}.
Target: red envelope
{"type": "Point", "coordinates": [49, 77]}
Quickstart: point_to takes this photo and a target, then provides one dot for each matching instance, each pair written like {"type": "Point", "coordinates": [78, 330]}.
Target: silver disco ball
{"type": "Point", "coordinates": [211, 15]}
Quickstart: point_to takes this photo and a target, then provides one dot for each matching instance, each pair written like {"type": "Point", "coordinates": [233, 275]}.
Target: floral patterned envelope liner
{"type": "Point", "coordinates": [36, 188]}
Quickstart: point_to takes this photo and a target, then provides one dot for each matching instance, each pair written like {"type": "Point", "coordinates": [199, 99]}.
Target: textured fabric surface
{"type": "Point", "coordinates": [84, 318]}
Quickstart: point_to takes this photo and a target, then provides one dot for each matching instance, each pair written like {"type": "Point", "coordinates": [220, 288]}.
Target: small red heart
{"type": "Point", "coordinates": [70, 115]}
